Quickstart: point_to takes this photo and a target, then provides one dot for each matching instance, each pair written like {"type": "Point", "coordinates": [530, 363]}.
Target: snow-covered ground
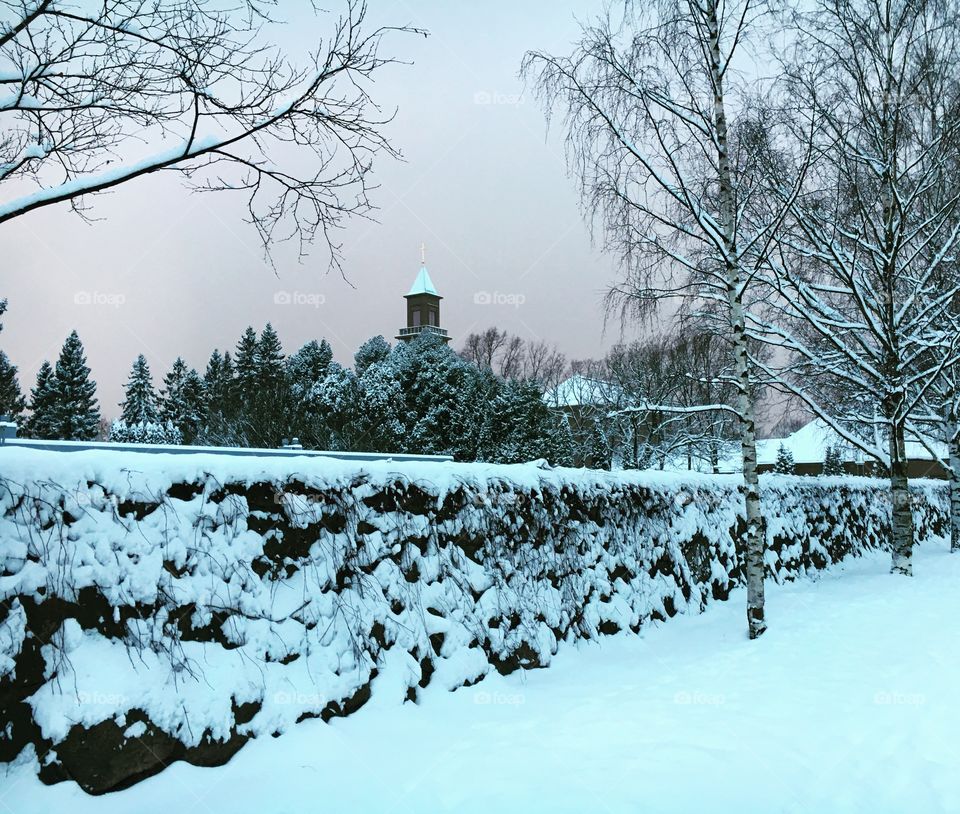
{"type": "Point", "coordinates": [850, 703]}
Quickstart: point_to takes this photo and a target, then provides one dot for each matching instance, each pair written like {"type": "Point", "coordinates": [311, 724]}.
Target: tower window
{"type": "Point", "coordinates": [432, 317]}
{"type": "Point", "coordinates": [416, 317]}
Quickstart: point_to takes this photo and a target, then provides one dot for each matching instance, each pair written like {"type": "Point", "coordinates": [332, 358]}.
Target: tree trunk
{"type": "Point", "coordinates": [902, 539]}
{"type": "Point", "coordinates": [955, 487]}
{"type": "Point", "coordinates": [753, 547]}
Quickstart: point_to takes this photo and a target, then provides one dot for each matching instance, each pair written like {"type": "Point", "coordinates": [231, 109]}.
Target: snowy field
{"type": "Point", "coordinates": [850, 703]}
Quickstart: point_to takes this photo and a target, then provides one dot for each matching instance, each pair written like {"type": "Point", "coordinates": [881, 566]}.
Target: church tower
{"type": "Point", "coordinates": [423, 307]}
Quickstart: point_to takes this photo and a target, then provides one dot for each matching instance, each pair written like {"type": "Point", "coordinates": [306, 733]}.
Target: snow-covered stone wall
{"type": "Point", "coordinates": [162, 608]}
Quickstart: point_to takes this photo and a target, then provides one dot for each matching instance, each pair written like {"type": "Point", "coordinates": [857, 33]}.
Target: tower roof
{"type": "Point", "coordinates": [423, 284]}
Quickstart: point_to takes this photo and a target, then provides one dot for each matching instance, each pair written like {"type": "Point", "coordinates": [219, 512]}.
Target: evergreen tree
{"type": "Point", "coordinates": [306, 370]}
{"type": "Point", "coordinates": [336, 400]}
{"type": "Point", "coordinates": [139, 405]}
{"type": "Point", "coordinates": [380, 418]}
{"type": "Point", "coordinates": [183, 400]}
{"type": "Point", "coordinates": [144, 432]}
{"type": "Point", "coordinates": [372, 352]}
{"type": "Point", "coordinates": [218, 381]}
{"type": "Point", "coordinates": [432, 377]}
{"type": "Point", "coordinates": [269, 359]}
{"type": "Point", "coordinates": [40, 423]}
{"type": "Point", "coordinates": [785, 464]}
{"type": "Point", "coordinates": [75, 413]}
{"type": "Point", "coordinates": [245, 365]}
{"type": "Point", "coordinates": [520, 427]}
{"type": "Point", "coordinates": [11, 399]}
{"type": "Point", "coordinates": [833, 461]}
{"type": "Point", "coordinates": [219, 389]}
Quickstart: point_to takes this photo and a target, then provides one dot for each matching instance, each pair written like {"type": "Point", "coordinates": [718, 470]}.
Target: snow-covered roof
{"type": "Point", "coordinates": [582, 391]}
{"type": "Point", "coordinates": [423, 284]}
{"type": "Point", "coordinates": [809, 446]}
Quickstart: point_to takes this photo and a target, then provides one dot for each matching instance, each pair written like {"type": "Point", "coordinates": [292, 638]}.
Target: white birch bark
{"type": "Point", "coordinates": [753, 543]}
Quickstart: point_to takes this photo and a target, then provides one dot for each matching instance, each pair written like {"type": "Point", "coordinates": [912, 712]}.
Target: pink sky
{"type": "Point", "coordinates": [166, 272]}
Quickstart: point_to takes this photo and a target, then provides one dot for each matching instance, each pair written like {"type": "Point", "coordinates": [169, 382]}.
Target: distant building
{"type": "Point", "coordinates": [809, 446]}
{"type": "Point", "coordinates": [423, 309]}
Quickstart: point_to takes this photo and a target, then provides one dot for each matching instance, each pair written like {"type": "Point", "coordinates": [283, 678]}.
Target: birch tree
{"type": "Point", "coordinates": [96, 94]}
{"type": "Point", "coordinates": [863, 300]}
{"type": "Point", "coordinates": [660, 135]}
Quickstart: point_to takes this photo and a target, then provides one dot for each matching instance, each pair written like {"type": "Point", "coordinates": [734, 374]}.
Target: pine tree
{"type": "Point", "coordinates": [785, 464]}
{"type": "Point", "coordinates": [75, 413]}
{"type": "Point", "coordinates": [42, 396]}
{"type": "Point", "coordinates": [139, 405]}
{"type": "Point", "coordinates": [372, 352]}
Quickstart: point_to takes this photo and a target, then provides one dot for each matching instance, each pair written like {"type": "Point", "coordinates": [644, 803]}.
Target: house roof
{"type": "Point", "coordinates": [809, 446]}
{"type": "Point", "coordinates": [423, 284]}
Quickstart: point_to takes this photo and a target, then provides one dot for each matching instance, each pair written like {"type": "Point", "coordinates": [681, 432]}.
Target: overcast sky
{"type": "Point", "coordinates": [166, 272]}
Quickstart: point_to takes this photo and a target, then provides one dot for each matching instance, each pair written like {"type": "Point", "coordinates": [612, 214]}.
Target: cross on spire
{"type": "Point", "coordinates": [423, 254]}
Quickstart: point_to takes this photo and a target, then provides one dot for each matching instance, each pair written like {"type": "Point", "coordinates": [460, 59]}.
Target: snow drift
{"type": "Point", "coordinates": [170, 608]}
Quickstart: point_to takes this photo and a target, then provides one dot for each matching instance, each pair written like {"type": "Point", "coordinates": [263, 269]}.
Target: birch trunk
{"type": "Point", "coordinates": [753, 544]}
{"type": "Point", "coordinates": [902, 542]}
{"type": "Point", "coordinates": [955, 487]}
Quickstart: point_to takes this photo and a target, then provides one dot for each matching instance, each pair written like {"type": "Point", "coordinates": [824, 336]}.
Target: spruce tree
{"type": "Point", "coordinates": [139, 405]}
{"type": "Point", "coordinates": [11, 399]}
{"type": "Point", "coordinates": [75, 412]}
{"type": "Point", "coordinates": [832, 461]}
{"type": "Point", "coordinates": [182, 403]}
{"type": "Point", "coordinates": [40, 423]}
{"type": "Point", "coordinates": [245, 365]}
{"type": "Point", "coordinates": [785, 464]}
{"type": "Point", "coordinates": [269, 359]}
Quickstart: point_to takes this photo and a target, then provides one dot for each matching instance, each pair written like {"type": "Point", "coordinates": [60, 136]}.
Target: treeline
{"type": "Point", "coordinates": [417, 397]}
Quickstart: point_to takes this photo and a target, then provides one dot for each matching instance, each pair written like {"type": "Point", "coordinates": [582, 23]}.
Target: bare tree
{"type": "Point", "coordinates": [862, 302]}
{"type": "Point", "coordinates": [482, 349]}
{"type": "Point", "coordinates": [661, 138]}
{"type": "Point", "coordinates": [93, 95]}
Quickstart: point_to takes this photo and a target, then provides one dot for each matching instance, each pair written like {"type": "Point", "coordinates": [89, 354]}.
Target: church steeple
{"type": "Point", "coordinates": [423, 306]}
